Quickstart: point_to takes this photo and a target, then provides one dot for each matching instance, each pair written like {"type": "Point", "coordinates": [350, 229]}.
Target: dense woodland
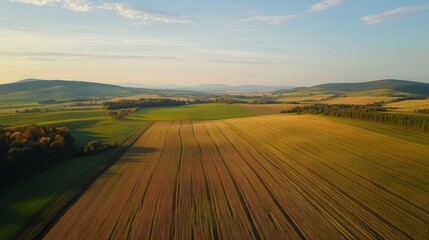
{"type": "Point", "coordinates": [25, 150]}
{"type": "Point", "coordinates": [374, 113]}
{"type": "Point", "coordinates": [144, 102]}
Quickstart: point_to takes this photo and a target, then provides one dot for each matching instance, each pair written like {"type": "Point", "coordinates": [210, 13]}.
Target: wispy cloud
{"type": "Point", "coordinates": [237, 62]}
{"type": "Point", "coordinates": [44, 55]}
{"type": "Point", "coordinates": [144, 16]}
{"type": "Point", "coordinates": [378, 18]}
{"type": "Point", "coordinates": [270, 19]}
{"type": "Point", "coordinates": [74, 5]}
{"type": "Point", "coordinates": [325, 4]}
{"type": "Point", "coordinates": [122, 9]}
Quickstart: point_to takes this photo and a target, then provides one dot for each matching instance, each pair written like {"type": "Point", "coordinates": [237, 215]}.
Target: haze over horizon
{"type": "Point", "coordinates": [192, 42]}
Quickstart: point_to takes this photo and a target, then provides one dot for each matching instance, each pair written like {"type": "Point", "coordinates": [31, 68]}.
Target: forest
{"type": "Point", "coordinates": [372, 112]}
{"type": "Point", "coordinates": [143, 103]}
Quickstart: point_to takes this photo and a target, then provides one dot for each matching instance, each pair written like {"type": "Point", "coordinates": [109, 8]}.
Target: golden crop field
{"type": "Point", "coordinates": [298, 98]}
{"type": "Point", "coordinates": [409, 105]}
{"type": "Point", "coordinates": [266, 177]}
{"type": "Point", "coordinates": [361, 100]}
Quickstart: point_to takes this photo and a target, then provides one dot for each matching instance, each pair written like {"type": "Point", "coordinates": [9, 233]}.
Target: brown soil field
{"type": "Point", "coordinates": [266, 177]}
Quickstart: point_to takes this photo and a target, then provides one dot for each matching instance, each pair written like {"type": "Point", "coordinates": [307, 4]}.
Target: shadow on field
{"type": "Point", "coordinates": [77, 124]}
{"type": "Point", "coordinates": [82, 137]}
{"type": "Point", "coordinates": [137, 155]}
{"type": "Point", "coordinates": [10, 220]}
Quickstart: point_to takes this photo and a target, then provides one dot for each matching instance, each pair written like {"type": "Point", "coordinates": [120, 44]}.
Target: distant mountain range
{"type": "Point", "coordinates": [411, 87]}
{"type": "Point", "coordinates": [210, 88]}
{"type": "Point", "coordinates": [34, 90]}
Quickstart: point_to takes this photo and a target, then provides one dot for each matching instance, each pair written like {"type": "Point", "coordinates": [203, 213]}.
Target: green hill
{"type": "Point", "coordinates": [411, 87]}
{"type": "Point", "coordinates": [34, 90]}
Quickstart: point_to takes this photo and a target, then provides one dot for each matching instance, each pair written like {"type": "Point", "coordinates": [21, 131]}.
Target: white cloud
{"type": "Point", "coordinates": [325, 4]}
{"type": "Point", "coordinates": [44, 55]}
{"type": "Point", "coordinates": [270, 19]}
{"type": "Point", "coordinates": [378, 18]}
{"type": "Point", "coordinates": [144, 16]}
{"type": "Point", "coordinates": [74, 5]}
{"type": "Point", "coordinates": [122, 9]}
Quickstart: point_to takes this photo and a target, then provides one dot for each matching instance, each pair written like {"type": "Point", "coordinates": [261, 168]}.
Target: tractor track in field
{"type": "Point", "coordinates": [270, 177]}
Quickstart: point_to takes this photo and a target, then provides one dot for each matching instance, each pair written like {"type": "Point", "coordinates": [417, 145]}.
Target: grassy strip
{"type": "Point", "coordinates": [47, 216]}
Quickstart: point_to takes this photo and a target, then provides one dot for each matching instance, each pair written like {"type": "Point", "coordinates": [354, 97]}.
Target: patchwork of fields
{"type": "Point", "coordinates": [268, 177]}
{"type": "Point", "coordinates": [409, 105]}
{"type": "Point", "coordinates": [361, 100]}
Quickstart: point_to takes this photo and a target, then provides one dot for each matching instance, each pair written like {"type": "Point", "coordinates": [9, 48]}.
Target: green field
{"type": "Point", "coordinates": [192, 112]}
{"type": "Point", "coordinates": [50, 117]}
{"type": "Point", "coordinates": [21, 204]}
{"type": "Point", "coordinates": [27, 198]}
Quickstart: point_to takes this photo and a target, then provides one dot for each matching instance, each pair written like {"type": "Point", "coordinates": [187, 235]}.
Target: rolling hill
{"type": "Point", "coordinates": [34, 90]}
{"type": "Point", "coordinates": [210, 88]}
{"type": "Point", "coordinates": [410, 87]}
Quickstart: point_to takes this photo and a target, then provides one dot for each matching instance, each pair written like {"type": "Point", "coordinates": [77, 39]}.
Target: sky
{"type": "Point", "coordinates": [189, 42]}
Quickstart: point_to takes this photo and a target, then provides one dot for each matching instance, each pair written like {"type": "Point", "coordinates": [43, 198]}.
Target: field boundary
{"type": "Point", "coordinates": [38, 226]}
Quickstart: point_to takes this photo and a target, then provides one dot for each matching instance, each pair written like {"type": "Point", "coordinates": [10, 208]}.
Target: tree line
{"type": "Point", "coordinates": [375, 113]}
{"type": "Point", "coordinates": [144, 102]}
{"type": "Point", "coordinates": [26, 150]}
{"type": "Point", "coordinates": [422, 111]}
{"type": "Point", "coordinates": [120, 114]}
{"type": "Point", "coordinates": [168, 102]}
{"type": "Point", "coordinates": [82, 99]}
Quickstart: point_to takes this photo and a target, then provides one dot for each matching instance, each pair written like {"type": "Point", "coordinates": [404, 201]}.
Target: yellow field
{"type": "Point", "coordinates": [264, 109]}
{"type": "Point", "coordinates": [292, 98]}
{"type": "Point", "coordinates": [267, 177]}
{"type": "Point", "coordinates": [409, 105]}
{"type": "Point", "coordinates": [361, 100]}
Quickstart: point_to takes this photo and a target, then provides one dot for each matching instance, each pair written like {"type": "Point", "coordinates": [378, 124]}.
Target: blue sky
{"type": "Point", "coordinates": [274, 42]}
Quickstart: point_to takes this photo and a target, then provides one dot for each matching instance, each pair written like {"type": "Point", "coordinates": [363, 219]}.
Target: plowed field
{"type": "Point", "coordinates": [269, 177]}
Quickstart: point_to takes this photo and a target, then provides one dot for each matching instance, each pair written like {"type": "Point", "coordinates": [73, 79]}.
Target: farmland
{"type": "Point", "coordinates": [192, 112]}
{"type": "Point", "coordinates": [263, 109]}
{"type": "Point", "coordinates": [359, 100]}
{"type": "Point", "coordinates": [409, 105]}
{"type": "Point", "coordinates": [23, 200]}
{"type": "Point", "coordinates": [267, 177]}
{"type": "Point", "coordinates": [303, 97]}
